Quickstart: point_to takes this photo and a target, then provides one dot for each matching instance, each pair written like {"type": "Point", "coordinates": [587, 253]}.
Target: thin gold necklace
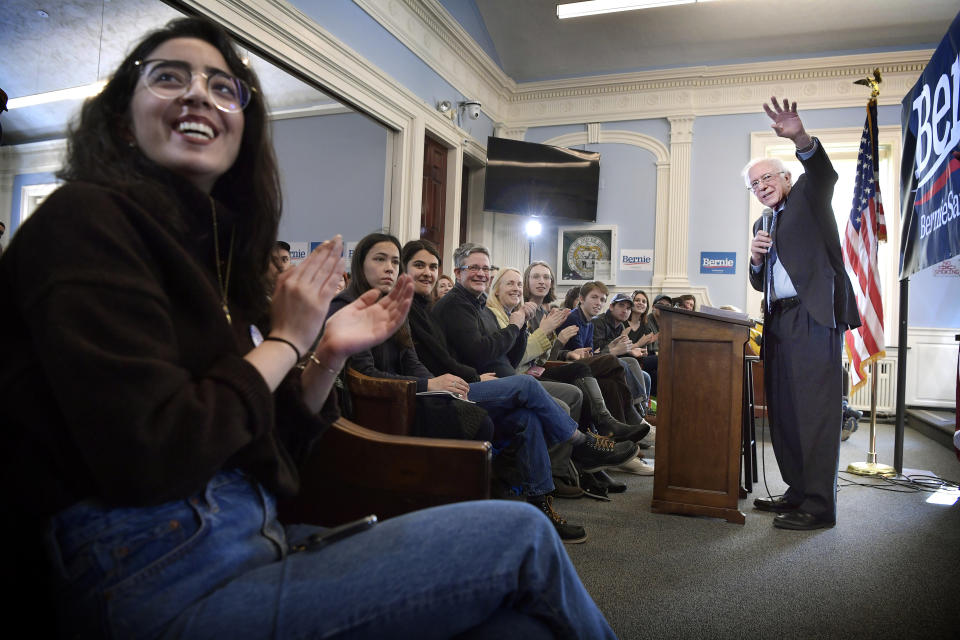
{"type": "Point", "coordinates": [224, 288]}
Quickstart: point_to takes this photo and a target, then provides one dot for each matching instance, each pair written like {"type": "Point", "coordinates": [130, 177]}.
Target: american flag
{"type": "Point", "coordinates": [865, 227]}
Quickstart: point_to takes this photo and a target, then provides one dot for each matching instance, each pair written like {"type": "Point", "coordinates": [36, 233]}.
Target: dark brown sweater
{"type": "Point", "coordinates": [121, 378]}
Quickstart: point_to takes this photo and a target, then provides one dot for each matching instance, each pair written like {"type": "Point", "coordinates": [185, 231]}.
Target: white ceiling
{"type": "Point", "coordinates": [83, 40]}
{"type": "Point", "coordinates": [533, 44]}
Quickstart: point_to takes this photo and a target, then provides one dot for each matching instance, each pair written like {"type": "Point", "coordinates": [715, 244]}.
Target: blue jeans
{"type": "Point", "coordinates": [219, 565]}
{"type": "Point", "coordinates": [638, 380]}
{"type": "Point", "coordinates": [523, 412]}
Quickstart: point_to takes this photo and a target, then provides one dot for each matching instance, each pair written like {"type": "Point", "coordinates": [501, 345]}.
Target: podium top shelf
{"type": "Point", "coordinates": [712, 313]}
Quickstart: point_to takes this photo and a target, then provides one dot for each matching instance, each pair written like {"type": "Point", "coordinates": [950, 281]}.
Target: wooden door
{"type": "Point", "coordinates": [434, 197]}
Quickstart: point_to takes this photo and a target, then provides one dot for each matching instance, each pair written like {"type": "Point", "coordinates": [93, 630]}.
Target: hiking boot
{"type": "Point", "coordinates": [563, 489]}
{"type": "Point", "coordinates": [569, 533]}
{"type": "Point", "coordinates": [598, 453]}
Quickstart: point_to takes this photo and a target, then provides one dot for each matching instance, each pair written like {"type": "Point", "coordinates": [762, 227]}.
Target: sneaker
{"type": "Point", "coordinates": [651, 437]}
{"type": "Point", "coordinates": [569, 533]}
{"type": "Point", "coordinates": [599, 453]}
{"type": "Point", "coordinates": [638, 466]}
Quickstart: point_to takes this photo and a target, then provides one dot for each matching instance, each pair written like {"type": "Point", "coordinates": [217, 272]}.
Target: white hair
{"type": "Point", "coordinates": [776, 162]}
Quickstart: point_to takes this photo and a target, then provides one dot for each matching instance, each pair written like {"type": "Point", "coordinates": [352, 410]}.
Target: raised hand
{"type": "Point", "coordinates": [366, 321]}
{"type": "Point", "coordinates": [302, 295]}
{"type": "Point", "coordinates": [786, 122]}
{"type": "Point", "coordinates": [619, 345]}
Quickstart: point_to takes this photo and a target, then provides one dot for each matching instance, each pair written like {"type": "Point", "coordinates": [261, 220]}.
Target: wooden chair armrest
{"type": "Point", "coordinates": [382, 404]}
{"type": "Point", "coordinates": [353, 471]}
{"type": "Point", "coordinates": [549, 364]}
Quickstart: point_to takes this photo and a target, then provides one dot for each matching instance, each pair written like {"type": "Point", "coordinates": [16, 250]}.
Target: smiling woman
{"type": "Point", "coordinates": [156, 445]}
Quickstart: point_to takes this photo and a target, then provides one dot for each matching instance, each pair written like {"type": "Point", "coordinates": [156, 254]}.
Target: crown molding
{"type": "Point", "coordinates": [817, 83]}
{"type": "Point", "coordinates": [428, 30]}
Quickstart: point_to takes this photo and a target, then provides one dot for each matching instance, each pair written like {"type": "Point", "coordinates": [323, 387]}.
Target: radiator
{"type": "Point", "coordinates": [886, 371]}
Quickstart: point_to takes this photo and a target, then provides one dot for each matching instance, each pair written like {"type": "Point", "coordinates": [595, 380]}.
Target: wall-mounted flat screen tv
{"type": "Point", "coordinates": [532, 179]}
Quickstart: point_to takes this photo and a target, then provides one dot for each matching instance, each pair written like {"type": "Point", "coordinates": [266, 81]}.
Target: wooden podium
{"type": "Point", "coordinates": [700, 404]}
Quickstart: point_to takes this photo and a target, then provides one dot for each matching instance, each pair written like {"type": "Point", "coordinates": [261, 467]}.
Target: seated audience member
{"type": "Point", "coordinates": [686, 301]}
{"type": "Point", "coordinates": [642, 335]}
{"type": "Point", "coordinates": [653, 321]}
{"type": "Point", "coordinates": [610, 334]}
{"type": "Point", "coordinates": [376, 265]}
{"type": "Point", "coordinates": [592, 297]}
{"type": "Point", "coordinates": [601, 379]}
{"type": "Point", "coordinates": [572, 298]}
{"type": "Point", "coordinates": [279, 262]}
{"type": "Point", "coordinates": [156, 445]}
{"type": "Point", "coordinates": [521, 410]}
{"type": "Point", "coordinates": [444, 284]}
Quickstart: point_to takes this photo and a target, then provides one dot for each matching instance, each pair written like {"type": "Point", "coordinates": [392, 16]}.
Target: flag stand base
{"type": "Point", "coordinates": [871, 469]}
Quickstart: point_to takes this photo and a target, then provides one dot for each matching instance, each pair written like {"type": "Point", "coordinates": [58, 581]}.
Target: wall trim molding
{"type": "Point", "coordinates": [824, 82]}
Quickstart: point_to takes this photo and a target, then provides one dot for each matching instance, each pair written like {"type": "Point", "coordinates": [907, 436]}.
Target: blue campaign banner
{"type": "Point", "coordinates": [718, 262]}
{"type": "Point", "coordinates": [930, 170]}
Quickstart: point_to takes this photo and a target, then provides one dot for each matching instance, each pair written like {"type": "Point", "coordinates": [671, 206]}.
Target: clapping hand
{"type": "Point", "coordinates": [302, 295]}
{"type": "Point", "coordinates": [554, 319]}
{"type": "Point", "coordinates": [619, 345]}
{"type": "Point", "coordinates": [367, 321]}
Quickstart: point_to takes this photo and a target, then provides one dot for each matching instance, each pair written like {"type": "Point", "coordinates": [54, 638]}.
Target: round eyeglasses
{"type": "Point", "coordinates": [169, 79]}
{"type": "Point", "coordinates": [766, 178]}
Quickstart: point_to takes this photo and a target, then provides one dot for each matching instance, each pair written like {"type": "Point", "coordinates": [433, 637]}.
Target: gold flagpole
{"type": "Point", "coordinates": [871, 467]}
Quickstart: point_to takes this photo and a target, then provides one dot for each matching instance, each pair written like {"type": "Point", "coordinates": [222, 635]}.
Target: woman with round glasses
{"type": "Point", "coordinates": [153, 410]}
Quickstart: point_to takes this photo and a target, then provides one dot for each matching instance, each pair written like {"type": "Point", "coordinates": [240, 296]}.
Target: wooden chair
{"type": "Point", "coordinates": [380, 404]}
{"type": "Point", "coordinates": [354, 470]}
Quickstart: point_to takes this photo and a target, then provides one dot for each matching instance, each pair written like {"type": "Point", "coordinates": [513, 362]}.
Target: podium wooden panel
{"type": "Point", "coordinates": [700, 404]}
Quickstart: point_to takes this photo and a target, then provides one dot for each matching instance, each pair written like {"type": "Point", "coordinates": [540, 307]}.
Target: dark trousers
{"type": "Point", "coordinates": [803, 382]}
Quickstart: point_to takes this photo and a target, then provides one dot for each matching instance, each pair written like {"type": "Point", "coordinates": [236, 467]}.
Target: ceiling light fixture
{"type": "Point", "coordinates": [73, 93]}
{"type": "Point", "coordinates": [595, 7]}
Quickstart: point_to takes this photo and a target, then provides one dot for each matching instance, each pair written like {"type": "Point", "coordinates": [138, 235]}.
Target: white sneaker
{"type": "Point", "coordinates": [637, 466]}
{"type": "Point", "coordinates": [651, 437]}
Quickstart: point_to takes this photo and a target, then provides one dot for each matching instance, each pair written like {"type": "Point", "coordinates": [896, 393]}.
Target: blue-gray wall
{"type": "Point", "coordinates": [332, 170]}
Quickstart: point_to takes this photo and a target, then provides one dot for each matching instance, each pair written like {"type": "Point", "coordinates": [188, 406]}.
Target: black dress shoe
{"type": "Point", "coordinates": [800, 521]}
{"type": "Point", "coordinates": [776, 505]}
{"type": "Point", "coordinates": [611, 485]}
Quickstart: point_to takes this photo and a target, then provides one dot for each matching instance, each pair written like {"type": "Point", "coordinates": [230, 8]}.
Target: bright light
{"type": "Point", "coordinates": [946, 497]}
{"type": "Point", "coordinates": [74, 93]}
{"type": "Point", "coordinates": [533, 229]}
{"type": "Point", "coordinates": [594, 7]}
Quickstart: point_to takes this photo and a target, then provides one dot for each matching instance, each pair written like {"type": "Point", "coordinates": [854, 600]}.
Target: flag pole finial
{"type": "Point", "coordinates": [873, 83]}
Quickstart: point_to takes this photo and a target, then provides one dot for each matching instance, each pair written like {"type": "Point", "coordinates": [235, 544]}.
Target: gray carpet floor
{"type": "Point", "coordinates": [890, 568]}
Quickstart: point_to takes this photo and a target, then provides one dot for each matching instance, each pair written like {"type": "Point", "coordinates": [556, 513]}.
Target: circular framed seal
{"type": "Point", "coordinates": [583, 254]}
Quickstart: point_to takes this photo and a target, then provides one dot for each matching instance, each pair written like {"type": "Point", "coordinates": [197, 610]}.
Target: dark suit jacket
{"type": "Point", "coordinates": [808, 245]}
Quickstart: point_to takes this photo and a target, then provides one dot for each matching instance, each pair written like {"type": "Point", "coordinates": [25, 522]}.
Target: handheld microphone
{"type": "Point", "coordinates": [767, 219]}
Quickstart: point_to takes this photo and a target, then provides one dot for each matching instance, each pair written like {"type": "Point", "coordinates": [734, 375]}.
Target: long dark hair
{"type": "Point", "coordinates": [643, 316]}
{"type": "Point", "coordinates": [98, 151]}
{"type": "Point", "coordinates": [358, 279]}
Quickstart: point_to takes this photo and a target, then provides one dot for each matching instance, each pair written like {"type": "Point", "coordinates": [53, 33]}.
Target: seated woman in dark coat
{"type": "Point", "coordinates": [151, 417]}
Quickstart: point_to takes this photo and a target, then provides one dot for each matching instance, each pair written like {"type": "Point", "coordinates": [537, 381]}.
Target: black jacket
{"type": "Point", "coordinates": [474, 336]}
{"type": "Point", "coordinates": [808, 246]}
{"type": "Point", "coordinates": [388, 359]}
{"type": "Point", "coordinates": [605, 329]}
{"type": "Point", "coordinates": [431, 344]}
